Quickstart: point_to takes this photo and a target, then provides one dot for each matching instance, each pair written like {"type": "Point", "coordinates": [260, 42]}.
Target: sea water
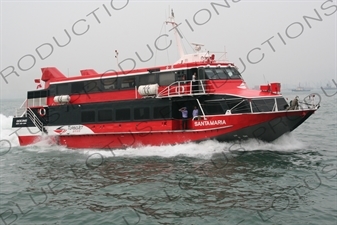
{"type": "Point", "coordinates": [292, 180]}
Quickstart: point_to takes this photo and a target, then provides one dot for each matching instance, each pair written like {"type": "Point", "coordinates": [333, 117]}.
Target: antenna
{"type": "Point", "coordinates": [116, 56]}
{"type": "Point", "coordinates": [265, 79]}
{"type": "Point", "coordinates": [175, 27]}
{"type": "Point", "coordinates": [225, 53]}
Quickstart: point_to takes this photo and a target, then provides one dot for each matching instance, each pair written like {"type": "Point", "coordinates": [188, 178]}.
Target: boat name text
{"type": "Point", "coordinates": [209, 123]}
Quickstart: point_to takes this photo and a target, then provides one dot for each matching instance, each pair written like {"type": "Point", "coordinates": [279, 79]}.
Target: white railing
{"type": "Point", "coordinates": [309, 102]}
{"type": "Point", "coordinates": [38, 123]}
{"type": "Point", "coordinates": [184, 88]}
{"type": "Point", "coordinates": [20, 112]}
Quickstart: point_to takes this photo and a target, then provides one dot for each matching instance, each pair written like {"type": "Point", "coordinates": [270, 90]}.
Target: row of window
{"type": "Point", "coordinates": [37, 94]}
{"type": "Point", "coordinates": [223, 73]}
{"type": "Point", "coordinates": [110, 84]}
{"type": "Point", "coordinates": [243, 106]}
{"type": "Point", "coordinates": [129, 82]}
{"type": "Point", "coordinates": [126, 114]}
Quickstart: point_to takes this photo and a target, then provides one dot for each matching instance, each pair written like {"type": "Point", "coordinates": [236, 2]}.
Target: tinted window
{"type": "Point", "coordinates": [263, 105]}
{"type": "Point", "coordinates": [88, 116]}
{"type": "Point", "coordinates": [281, 104]}
{"type": "Point", "coordinates": [141, 113]}
{"type": "Point", "coordinates": [37, 94]}
{"type": "Point", "coordinates": [166, 78]}
{"type": "Point", "coordinates": [30, 94]}
{"type": "Point", "coordinates": [91, 86]}
{"type": "Point", "coordinates": [123, 114]}
{"type": "Point", "coordinates": [161, 112]}
{"type": "Point", "coordinates": [233, 73]}
{"type": "Point", "coordinates": [62, 89]}
{"type": "Point", "coordinates": [210, 74]}
{"type": "Point", "coordinates": [240, 106]}
{"type": "Point", "coordinates": [128, 82]}
{"type": "Point", "coordinates": [43, 94]}
{"type": "Point", "coordinates": [222, 73]}
{"type": "Point", "coordinates": [109, 84]}
{"type": "Point", "coordinates": [147, 79]}
{"type": "Point", "coordinates": [213, 108]}
{"type": "Point", "coordinates": [105, 115]}
{"type": "Point", "coordinates": [77, 87]}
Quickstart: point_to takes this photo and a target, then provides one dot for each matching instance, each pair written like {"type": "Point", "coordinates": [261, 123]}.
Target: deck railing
{"type": "Point", "coordinates": [36, 121]}
{"type": "Point", "coordinates": [20, 112]}
{"type": "Point", "coordinates": [185, 88]}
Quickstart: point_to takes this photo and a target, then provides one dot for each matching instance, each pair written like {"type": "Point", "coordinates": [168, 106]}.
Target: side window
{"type": "Point", "coordinates": [233, 73]}
{"type": "Point", "coordinates": [181, 75]}
{"type": "Point", "coordinates": [161, 112]}
{"type": "Point", "coordinates": [77, 87]}
{"type": "Point", "coordinates": [221, 74]}
{"type": "Point", "coordinates": [213, 108]}
{"type": "Point", "coordinates": [128, 82]}
{"type": "Point", "coordinates": [229, 71]}
{"type": "Point", "coordinates": [105, 115]}
{"type": "Point", "coordinates": [147, 79]}
{"type": "Point", "coordinates": [123, 114]}
{"type": "Point", "coordinates": [88, 116]}
{"type": "Point", "coordinates": [166, 78]}
{"type": "Point", "coordinates": [242, 107]}
{"type": "Point", "coordinates": [281, 104]}
{"type": "Point", "coordinates": [210, 74]}
{"type": "Point", "coordinates": [263, 105]}
{"type": "Point", "coordinates": [62, 89]}
{"type": "Point", "coordinates": [142, 113]}
{"type": "Point", "coordinates": [91, 86]}
{"type": "Point", "coordinates": [109, 84]}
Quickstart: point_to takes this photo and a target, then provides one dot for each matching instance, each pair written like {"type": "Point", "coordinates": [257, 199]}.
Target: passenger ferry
{"type": "Point", "coordinates": [145, 106]}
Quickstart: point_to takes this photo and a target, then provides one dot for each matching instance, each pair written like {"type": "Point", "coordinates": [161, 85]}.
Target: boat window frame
{"type": "Point", "coordinates": [166, 78]}
{"type": "Point", "coordinates": [97, 86]}
{"type": "Point", "coordinates": [105, 120]}
{"type": "Point", "coordinates": [146, 80]}
{"type": "Point", "coordinates": [213, 73]}
{"type": "Point", "coordinates": [146, 116]}
{"type": "Point", "coordinates": [123, 113]}
{"type": "Point", "coordinates": [157, 112]}
{"type": "Point", "coordinates": [262, 107]}
{"type": "Point", "coordinates": [130, 78]}
{"type": "Point", "coordinates": [109, 86]}
{"type": "Point", "coordinates": [92, 116]}
{"type": "Point", "coordinates": [63, 89]}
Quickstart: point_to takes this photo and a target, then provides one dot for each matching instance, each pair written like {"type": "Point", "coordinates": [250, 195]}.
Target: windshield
{"type": "Point", "coordinates": [222, 73]}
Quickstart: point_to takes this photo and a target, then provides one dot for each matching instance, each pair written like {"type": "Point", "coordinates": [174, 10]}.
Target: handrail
{"type": "Point", "coordinates": [38, 123]}
{"type": "Point", "coordinates": [196, 87]}
{"type": "Point", "coordinates": [307, 103]}
{"type": "Point", "coordinates": [20, 112]}
{"type": "Point", "coordinates": [202, 110]}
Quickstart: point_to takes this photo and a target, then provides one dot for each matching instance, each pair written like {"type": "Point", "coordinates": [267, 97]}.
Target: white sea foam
{"type": "Point", "coordinates": [7, 137]}
{"type": "Point", "coordinates": [203, 150]}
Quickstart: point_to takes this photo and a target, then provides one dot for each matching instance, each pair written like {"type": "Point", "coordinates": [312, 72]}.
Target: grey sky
{"type": "Point", "coordinates": [309, 55]}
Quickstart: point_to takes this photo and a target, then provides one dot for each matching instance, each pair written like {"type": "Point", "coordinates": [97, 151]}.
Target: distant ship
{"type": "Point", "coordinates": [301, 89]}
{"type": "Point", "coordinates": [329, 87]}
